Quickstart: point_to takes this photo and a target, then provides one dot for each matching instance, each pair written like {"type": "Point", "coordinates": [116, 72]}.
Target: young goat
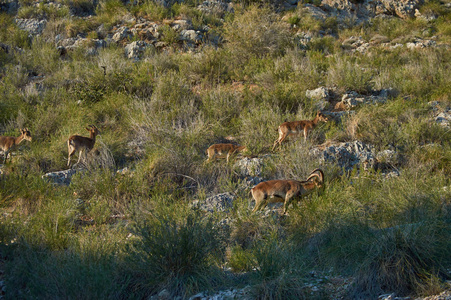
{"type": "Point", "coordinates": [81, 143]}
{"type": "Point", "coordinates": [224, 150]}
{"type": "Point", "coordinates": [298, 127]}
{"type": "Point", "coordinates": [285, 190]}
{"type": "Point", "coordinates": [9, 143]}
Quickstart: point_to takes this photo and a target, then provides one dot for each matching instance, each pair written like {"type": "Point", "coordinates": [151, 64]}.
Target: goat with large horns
{"type": "Point", "coordinates": [285, 190]}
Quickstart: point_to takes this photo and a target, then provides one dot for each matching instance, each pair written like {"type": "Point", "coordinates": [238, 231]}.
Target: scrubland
{"type": "Point", "coordinates": [133, 235]}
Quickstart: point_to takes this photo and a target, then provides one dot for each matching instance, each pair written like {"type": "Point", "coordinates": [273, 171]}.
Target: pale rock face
{"type": "Point", "coordinates": [319, 93]}
{"type": "Point", "coordinates": [121, 34]}
{"type": "Point", "coordinates": [32, 26]}
{"type": "Point", "coordinates": [60, 178]}
{"type": "Point", "coordinates": [250, 166]}
{"type": "Point", "coordinates": [136, 49]}
{"type": "Point", "coordinates": [191, 36]}
{"type": "Point", "coordinates": [347, 155]}
{"type": "Point", "coordinates": [221, 202]}
{"type": "Point", "coordinates": [364, 9]}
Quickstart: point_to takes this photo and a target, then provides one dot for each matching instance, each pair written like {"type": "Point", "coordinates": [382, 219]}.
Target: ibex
{"type": "Point", "coordinates": [81, 143]}
{"type": "Point", "coordinates": [224, 150]}
{"type": "Point", "coordinates": [9, 143]}
{"type": "Point", "coordinates": [285, 190]}
{"type": "Point", "coordinates": [298, 127]}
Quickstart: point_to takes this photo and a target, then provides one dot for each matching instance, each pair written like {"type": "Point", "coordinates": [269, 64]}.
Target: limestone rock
{"type": "Point", "coordinates": [136, 49]}
{"type": "Point", "coordinates": [190, 35]}
{"type": "Point", "coordinates": [221, 202]}
{"type": "Point", "coordinates": [319, 93]}
{"type": "Point", "coordinates": [121, 34]}
{"type": "Point", "coordinates": [60, 177]}
{"type": "Point", "coordinates": [347, 155]}
{"type": "Point", "coordinates": [353, 99]}
{"type": "Point", "coordinates": [215, 7]}
{"type": "Point", "coordinates": [444, 118]}
{"type": "Point", "coordinates": [32, 26]}
{"type": "Point", "coordinates": [249, 166]}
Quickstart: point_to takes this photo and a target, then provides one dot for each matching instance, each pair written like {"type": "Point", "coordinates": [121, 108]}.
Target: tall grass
{"type": "Point", "coordinates": [136, 234]}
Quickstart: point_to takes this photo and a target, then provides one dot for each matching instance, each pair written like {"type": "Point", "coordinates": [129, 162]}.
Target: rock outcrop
{"type": "Point", "coordinates": [347, 155]}
{"type": "Point", "coordinates": [221, 202]}
{"type": "Point", "coordinates": [61, 177]}
{"type": "Point", "coordinates": [364, 9]}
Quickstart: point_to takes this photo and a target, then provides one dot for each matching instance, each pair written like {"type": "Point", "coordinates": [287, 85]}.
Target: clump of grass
{"type": "Point", "coordinates": [152, 10]}
{"type": "Point", "coordinates": [110, 12]}
{"type": "Point", "coordinates": [349, 75]}
{"type": "Point", "coordinates": [255, 32]}
{"type": "Point", "coordinates": [404, 259]}
{"type": "Point", "coordinates": [11, 34]}
{"type": "Point", "coordinates": [81, 7]}
{"type": "Point", "coordinates": [86, 268]}
{"type": "Point", "coordinates": [174, 253]}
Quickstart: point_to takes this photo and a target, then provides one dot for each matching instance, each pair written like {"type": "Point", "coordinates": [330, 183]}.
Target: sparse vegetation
{"type": "Point", "coordinates": [137, 233]}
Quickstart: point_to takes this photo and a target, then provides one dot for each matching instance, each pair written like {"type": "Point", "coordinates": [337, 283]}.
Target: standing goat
{"type": "Point", "coordinates": [224, 150]}
{"type": "Point", "coordinates": [9, 143]}
{"type": "Point", "coordinates": [285, 190]}
{"type": "Point", "coordinates": [81, 143]}
{"type": "Point", "coordinates": [297, 127]}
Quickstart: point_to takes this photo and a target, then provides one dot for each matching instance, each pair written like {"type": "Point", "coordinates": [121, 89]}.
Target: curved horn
{"type": "Point", "coordinates": [317, 173]}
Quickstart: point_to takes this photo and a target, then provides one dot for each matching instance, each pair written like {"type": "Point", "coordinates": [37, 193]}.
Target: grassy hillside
{"type": "Point", "coordinates": [136, 234]}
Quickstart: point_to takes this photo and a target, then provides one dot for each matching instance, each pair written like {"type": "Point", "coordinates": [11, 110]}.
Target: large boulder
{"type": "Point", "coordinates": [348, 155]}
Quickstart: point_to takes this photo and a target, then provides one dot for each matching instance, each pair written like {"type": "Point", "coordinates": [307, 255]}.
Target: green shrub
{"type": "Point", "coordinates": [348, 75]}
{"type": "Point", "coordinates": [405, 259]}
{"type": "Point", "coordinates": [174, 253]}
{"type": "Point", "coordinates": [255, 32]}
{"type": "Point", "coordinates": [11, 34]}
{"type": "Point", "coordinates": [87, 269]}
{"type": "Point", "coordinates": [110, 12]}
{"type": "Point", "coordinates": [152, 10]}
{"type": "Point", "coordinates": [169, 35]}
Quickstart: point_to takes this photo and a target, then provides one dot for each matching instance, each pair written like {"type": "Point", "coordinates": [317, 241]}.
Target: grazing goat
{"type": "Point", "coordinates": [9, 143]}
{"type": "Point", "coordinates": [285, 190]}
{"type": "Point", "coordinates": [81, 143]}
{"type": "Point", "coordinates": [298, 127]}
{"type": "Point", "coordinates": [224, 150]}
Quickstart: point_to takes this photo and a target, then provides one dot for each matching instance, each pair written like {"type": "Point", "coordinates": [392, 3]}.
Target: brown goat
{"type": "Point", "coordinates": [285, 190]}
{"type": "Point", "coordinates": [9, 143]}
{"type": "Point", "coordinates": [298, 127]}
{"type": "Point", "coordinates": [224, 151]}
{"type": "Point", "coordinates": [82, 143]}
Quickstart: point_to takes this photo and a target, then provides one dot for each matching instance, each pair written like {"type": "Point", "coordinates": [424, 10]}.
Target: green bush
{"type": "Point", "coordinates": [255, 32]}
{"type": "Point", "coordinates": [175, 253]}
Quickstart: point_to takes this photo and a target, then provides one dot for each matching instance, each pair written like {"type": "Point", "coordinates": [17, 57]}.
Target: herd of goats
{"type": "Point", "coordinates": [279, 190]}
